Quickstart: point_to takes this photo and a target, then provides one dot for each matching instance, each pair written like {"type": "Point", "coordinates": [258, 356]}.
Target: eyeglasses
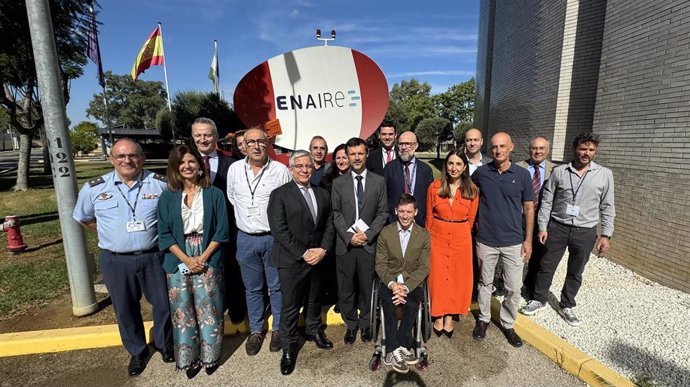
{"type": "Point", "coordinates": [303, 166]}
{"type": "Point", "coordinates": [261, 143]}
{"type": "Point", "coordinates": [406, 144]}
{"type": "Point", "coordinates": [123, 157]}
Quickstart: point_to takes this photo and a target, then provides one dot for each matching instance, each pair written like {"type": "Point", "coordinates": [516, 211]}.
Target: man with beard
{"type": "Point", "coordinates": [318, 149]}
{"type": "Point", "coordinates": [575, 198]}
{"type": "Point", "coordinates": [407, 175]}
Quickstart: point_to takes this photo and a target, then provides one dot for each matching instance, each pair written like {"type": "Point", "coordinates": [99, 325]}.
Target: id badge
{"type": "Point", "coordinates": [136, 226]}
{"type": "Point", "coordinates": [572, 210]}
{"type": "Point", "coordinates": [253, 211]}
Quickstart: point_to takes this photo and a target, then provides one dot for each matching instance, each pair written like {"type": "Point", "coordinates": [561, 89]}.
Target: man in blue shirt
{"type": "Point", "coordinates": [506, 197]}
{"type": "Point", "coordinates": [121, 206]}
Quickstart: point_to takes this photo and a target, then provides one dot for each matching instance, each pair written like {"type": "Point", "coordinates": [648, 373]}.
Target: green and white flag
{"type": "Point", "coordinates": [213, 72]}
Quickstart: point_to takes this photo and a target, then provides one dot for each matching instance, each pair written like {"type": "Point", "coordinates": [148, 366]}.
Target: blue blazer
{"type": "Point", "coordinates": [395, 181]}
{"type": "Point", "coordinates": [171, 229]}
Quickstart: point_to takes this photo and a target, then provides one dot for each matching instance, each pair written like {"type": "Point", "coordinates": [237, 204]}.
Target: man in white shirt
{"type": "Point", "coordinates": [388, 151]}
{"type": "Point", "coordinates": [473, 147]}
{"type": "Point", "coordinates": [250, 184]}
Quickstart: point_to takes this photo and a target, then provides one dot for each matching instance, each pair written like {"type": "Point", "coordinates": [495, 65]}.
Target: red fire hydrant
{"type": "Point", "coordinates": [14, 235]}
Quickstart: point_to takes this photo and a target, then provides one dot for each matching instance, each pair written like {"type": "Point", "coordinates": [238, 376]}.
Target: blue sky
{"type": "Point", "coordinates": [432, 41]}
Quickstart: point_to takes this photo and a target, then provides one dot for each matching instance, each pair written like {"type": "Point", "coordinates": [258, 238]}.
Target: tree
{"type": "Point", "coordinates": [131, 105]}
{"type": "Point", "coordinates": [190, 105]}
{"type": "Point", "coordinates": [84, 137]}
{"type": "Point", "coordinates": [457, 103]}
{"type": "Point", "coordinates": [20, 95]}
{"type": "Point", "coordinates": [432, 131]}
{"type": "Point", "coordinates": [414, 99]}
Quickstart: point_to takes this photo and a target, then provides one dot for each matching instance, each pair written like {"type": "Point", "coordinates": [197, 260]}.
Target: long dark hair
{"type": "Point", "coordinates": [332, 170]}
{"type": "Point", "coordinates": [468, 190]}
{"type": "Point", "coordinates": [175, 180]}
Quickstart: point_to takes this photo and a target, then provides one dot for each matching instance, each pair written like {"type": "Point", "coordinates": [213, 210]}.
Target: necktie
{"type": "Point", "coordinates": [310, 204]}
{"type": "Point", "coordinates": [536, 182]}
{"type": "Point", "coordinates": [360, 193]}
{"type": "Point", "coordinates": [408, 180]}
{"type": "Point", "coordinates": [207, 164]}
{"type": "Point", "coordinates": [388, 156]}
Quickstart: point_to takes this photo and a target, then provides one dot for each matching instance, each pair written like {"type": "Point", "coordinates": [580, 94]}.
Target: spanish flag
{"type": "Point", "coordinates": [151, 54]}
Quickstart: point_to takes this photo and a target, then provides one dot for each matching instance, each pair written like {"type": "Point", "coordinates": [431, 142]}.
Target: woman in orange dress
{"type": "Point", "coordinates": [451, 207]}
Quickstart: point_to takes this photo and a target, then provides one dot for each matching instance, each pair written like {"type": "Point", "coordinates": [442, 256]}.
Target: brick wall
{"type": "Point", "coordinates": [643, 115]}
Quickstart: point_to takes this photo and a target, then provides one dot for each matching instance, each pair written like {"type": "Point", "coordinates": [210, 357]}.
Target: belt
{"type": "Point", "coordinates": [265, 233]}
{"type": "Point", "coordinates": [450, 220]}
{"type": "Point", "coordinates": [139, 252]}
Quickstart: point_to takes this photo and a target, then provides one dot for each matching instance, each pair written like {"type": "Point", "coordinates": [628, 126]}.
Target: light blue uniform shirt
{"type": "Point", "coordinates": [101, 200]}
{"type": "Point", "coordinates": [542, 171]}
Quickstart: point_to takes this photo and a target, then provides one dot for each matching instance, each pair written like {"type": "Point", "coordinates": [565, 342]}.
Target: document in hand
{"type": "Point", "coordinates": [359, 225]}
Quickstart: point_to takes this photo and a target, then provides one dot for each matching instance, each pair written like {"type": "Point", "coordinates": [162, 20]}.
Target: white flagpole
{"type": "Point", "coordinates": [165, 74]}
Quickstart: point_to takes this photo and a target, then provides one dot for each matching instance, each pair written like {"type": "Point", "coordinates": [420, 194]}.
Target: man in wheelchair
{"type": "Point", "coordinates": [402, 265]}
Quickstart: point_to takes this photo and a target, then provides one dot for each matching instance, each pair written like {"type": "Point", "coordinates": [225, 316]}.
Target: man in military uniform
{"type": "Point", "coordinates": [121, 206]}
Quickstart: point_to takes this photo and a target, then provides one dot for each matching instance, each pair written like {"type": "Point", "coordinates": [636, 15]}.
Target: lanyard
{"type": "Point", "coordinates": [252, 191]}
{"type": "Point", "coordinates": [572, 188]}
{"type": "Point", "coordinates": [132, 208]}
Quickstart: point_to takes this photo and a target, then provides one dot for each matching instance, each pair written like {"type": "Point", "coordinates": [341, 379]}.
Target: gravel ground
{"type": "Point", "coordinates": [635, 326]}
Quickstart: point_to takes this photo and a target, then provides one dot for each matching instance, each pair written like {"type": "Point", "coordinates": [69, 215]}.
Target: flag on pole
{"type": "Point", "coordinates": [151, 54]}
{"type": "Point", "coordinates": [94, 51]}
{"type": "Point", "coordinates": [213, 74]}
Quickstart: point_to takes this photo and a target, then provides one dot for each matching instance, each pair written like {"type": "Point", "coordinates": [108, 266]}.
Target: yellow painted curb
{"type": "Point", "coordinates": [566, 355]}
{"type": "Point", "coordinates": [70, 339]}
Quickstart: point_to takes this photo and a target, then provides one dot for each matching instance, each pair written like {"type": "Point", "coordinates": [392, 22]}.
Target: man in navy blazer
{"type": "Point", "coordinates": [379, 157]}
{"type": "Point", "coordinates": [407, 175]}
{"type": "Point", "coordinates": [205, 136]}
{"type": "Point", "coordinates": [301, 222]}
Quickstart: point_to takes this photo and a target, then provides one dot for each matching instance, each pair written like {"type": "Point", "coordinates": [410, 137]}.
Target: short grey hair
{"type": "Point", "coordinates": [297, 154]}
{"type": "Point", "coordinates": [206, 121]}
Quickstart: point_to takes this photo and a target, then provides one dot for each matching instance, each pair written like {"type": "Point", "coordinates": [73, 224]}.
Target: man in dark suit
{"type": "Point", "coordinates": [402, 264]}
{"type": "Point", "coordinates": [301, 222]}
{"type": "Point", "coordinates": [473, 149]}
{"type": "Point", "coordinates": [407, 175]}
{"type": "Point", "coordinates": [388, 152]}
{"type": "Point", "coordinates": [359, 213]}
{"type": "Point", "coordinates": [205, 136]}
{"type": "Point", "coordinates": [539, 168]}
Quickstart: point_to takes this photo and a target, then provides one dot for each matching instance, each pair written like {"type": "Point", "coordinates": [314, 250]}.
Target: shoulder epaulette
{"type": "Point", "coordinates": [160, 177]}
{"type": "Point", "coordinates": [96, 181]}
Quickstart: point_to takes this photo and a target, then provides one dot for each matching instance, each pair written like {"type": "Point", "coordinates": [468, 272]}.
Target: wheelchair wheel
{"type": "Point", "coordinates": [374, 315]}
{"type": "Point", "coordinates": [426, 315]}
{"type": "Point", "coordinates": [375, 361]}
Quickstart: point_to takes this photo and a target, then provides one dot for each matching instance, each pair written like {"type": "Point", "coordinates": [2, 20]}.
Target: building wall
{"type": "Point", "coordinates": [622, 69]}
{"type": "Point", "coordinates": [643, 115]}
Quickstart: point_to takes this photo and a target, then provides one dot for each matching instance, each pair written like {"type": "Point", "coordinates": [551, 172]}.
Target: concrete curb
{"type": "Point", "coordinates": [567, 356]}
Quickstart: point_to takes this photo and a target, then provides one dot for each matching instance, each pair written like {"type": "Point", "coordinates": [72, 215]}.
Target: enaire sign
{"type": "Point", "coordinates": [332, 91]}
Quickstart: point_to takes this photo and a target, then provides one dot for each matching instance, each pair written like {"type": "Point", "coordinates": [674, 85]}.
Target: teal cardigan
{"type": "Point", "coordinates": [171, 229]}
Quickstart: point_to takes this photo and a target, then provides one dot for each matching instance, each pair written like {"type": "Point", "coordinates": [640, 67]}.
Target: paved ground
{"type": "Point", "coordinates": [457, 362]}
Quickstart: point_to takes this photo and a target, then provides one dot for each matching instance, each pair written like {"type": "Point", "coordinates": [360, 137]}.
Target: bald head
{"type": "Point", "coordinates": [407, 145]}
{"type": "Point", "coordinates": [473, 142]}
{"type": "Point", "coordinates": [501, 146]}
{"type": "Point", "coordinates": [538, 149]}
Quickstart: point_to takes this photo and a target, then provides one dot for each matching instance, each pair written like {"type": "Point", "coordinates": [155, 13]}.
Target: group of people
{"type": "Point", "coordinates": [219, 234]}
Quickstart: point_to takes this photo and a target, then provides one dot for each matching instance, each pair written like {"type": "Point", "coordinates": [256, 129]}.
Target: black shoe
{"type": "Point", "coordinates": [350, 336]}
{"type": "Point", "coordinates": [211, 370]}
{"type": "Point", "coordinates": [137, 363]}
{"type": "Point", "coordinates": [513, 338]}
{"type": "Point", "coordinates": [448, 334]}
{"type": "Point", "coordinates": [287, 362]}
{"type": "Point", "coordinates": [438, 332]}
{"type": "Point", "coordinates": [320, 340]}
{"type": "Point", "coordinates": [479, 332]}
{"type": "Point", "coordinates": [193, 371]}
{"type": "Point", "coordinates": [236, 317]}
{"type": "Point", "coordinates": [366, 335]}
{"type": "Point", "coordinates": [275, 345]}
{"type": "Point", "coordinates": [167, 354]}
{"type": "Point", "coordinates": [254, 343]}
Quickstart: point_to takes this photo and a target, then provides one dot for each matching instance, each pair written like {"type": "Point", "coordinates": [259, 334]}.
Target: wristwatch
{"type": "Point", "coordinates": [606, 236]}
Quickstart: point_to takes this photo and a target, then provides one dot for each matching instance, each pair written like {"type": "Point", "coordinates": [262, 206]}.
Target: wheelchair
{"type": "Point", "coordinates": [421, 331]}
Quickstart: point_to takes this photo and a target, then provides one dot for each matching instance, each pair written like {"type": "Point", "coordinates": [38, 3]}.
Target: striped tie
{"type": "Point", "coordinates": [536, 183]}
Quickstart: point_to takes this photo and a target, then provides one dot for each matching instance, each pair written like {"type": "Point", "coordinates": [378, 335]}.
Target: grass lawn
{"type": "Point", "coordinates": [39, 274]}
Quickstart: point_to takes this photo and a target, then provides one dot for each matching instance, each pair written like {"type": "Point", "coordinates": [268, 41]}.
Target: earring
{"type": "Point", "coordinates": [200, 172]}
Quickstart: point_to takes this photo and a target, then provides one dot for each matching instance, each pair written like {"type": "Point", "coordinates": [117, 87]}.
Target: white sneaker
{"type": "Point", "coordinates": [532, 307]}
{"type": "Point", "coordinates": [395, 360]}
{"type": "Point", "coordinates": [408, 356]}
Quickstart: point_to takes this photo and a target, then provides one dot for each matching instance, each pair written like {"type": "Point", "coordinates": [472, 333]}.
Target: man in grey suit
{"type": "Point", "coordinates": [539, 168]}
{"type": "Point", "coordinates": [360, 210]}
